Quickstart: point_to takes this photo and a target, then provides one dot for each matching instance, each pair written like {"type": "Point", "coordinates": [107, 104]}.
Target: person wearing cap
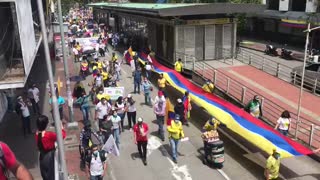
{"type": "Point", "coordinates": [140, 132]}
{"type": "Point", "coordinates": [179, 109]}
{"type": "Point", "coordinates": [34, 97]}
{"type": "Point", "coordinates": [87, 138]}
{"type": "Point", "coordinates": [23, 110]}
{"type": "Point", "coordinates": [208, 86]}
{"type": "Point", "coordinates": [176, 133]}
{"type": "Point", "coordinates": [254, 107]}
{"type": "Point", "coordinates": [159, 108]}
{"type": "Point", "coordinates": [273, 165]}
{"type": "Point", "coordinates": [178, 66]}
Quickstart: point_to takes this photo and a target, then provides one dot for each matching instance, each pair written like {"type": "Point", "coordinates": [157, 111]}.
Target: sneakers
{"type": "Point", "coordinates": [175, 161]}
{"type": "Point", "coordinates": [145, 162]}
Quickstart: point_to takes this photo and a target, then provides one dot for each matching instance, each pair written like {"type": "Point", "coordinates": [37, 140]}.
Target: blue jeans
{"type": "Point", "coordinates": [85, 113]}
{"type": "Point", "coordinates": [116, 135]}
{"type": "Point", "coordinates": [160, 121]}
{"type": "Point", "coordinates": [137, 85]}
{"type": "Point", "coordinates": [147, 98]}
{"type": "Point", "coordinates": [174, 147]}
{"type": "Point", "coordinates": [96, 177]}
{"type": "Point", "coordinates": [284, 132]}
{"type": "Point", "coordinates": [122, 115]}
{"type": "Point", "coordinates": [118, 75]}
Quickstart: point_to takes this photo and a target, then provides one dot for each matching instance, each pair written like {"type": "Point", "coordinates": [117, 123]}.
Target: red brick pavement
{"type": "Point", "coordinates": [72, 156]}
{"type": "Point", "coordinates": [286, 91]}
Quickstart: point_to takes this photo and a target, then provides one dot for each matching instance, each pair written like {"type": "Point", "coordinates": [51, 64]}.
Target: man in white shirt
{"type": "Point", "coordinates": [102, 108]}
{"type": "Point", "coordinates": [23, 110]}
{"type": "Point", "coordinates": [97, 163]}
{"type": "Point", "coordinates": [33, 95]}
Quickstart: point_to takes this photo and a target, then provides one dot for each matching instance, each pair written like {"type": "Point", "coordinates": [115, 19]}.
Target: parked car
{"type": "Point", "coordinates": [311, 79]}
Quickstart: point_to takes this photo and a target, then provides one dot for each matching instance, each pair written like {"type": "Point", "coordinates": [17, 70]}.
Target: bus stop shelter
{"type": "Point", "coordinates": [205, 31]}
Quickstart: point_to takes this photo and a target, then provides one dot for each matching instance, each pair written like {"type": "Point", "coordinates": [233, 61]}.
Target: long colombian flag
{"type": "Point", "coordinates": [237, 120]}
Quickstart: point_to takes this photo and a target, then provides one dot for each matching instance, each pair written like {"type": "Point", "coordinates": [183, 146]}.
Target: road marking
{"type": "Point", "coordinates": [153, 144]}
{"type": "Point", "coordinates": [179, 172]}
{"type": "Point", "coordinates": [223, 174]}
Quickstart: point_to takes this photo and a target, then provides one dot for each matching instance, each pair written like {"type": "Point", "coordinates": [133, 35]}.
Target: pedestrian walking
{"type": "Point", "coordinates": [131, 111]}
{"type": "Point", "coordinates": [61, 102]}
{"type": "Point", "coordinates": [162, 83]}
{"type": "Point", "coordinates": [254, 107]}
{"type": "Point", "coordinates": [97, 165]}
{"type": "Point", "coordinates": [159, 97]}
{"type": "Point", "coordinates": [23, 110]}
{"type": "Point", "coordinates": [137, 77]}
{"type": "Point", "coordinates": [175, 135]}
{"type": "Point", "coordinates": [117, 67]}
{"type": "Point", "coordinates": [34, 97]}
{"type": "Point", "coordinates": [178, 66]}
{"type": "Point", "coordinates": [106, 128]}
{"type": "Point", "coordinates": [179, 109]}
{"type": "Point", "coordinates": [8, 162]}
{"type": "Point", "coordinates": [140, 131]}
{"type": "Point", "coordinates": [84, 105]}
{"type": "Point", "coordinates": [116, 127]}
{"type": "Point", "coordinates": [102, 108]}
{"type": "Point", "coordinates": [187, 106]}
{"type": "Point", "coordinates": [148, 68]}
{"type": "Point", "coordinates": [147, 88]}
{"type": "Point", "coordinates": [46, 145]}
{"type": "Point", "coordinates": [159, 109]}
{"type": "Point", "coordinates": [273, 166]}
{"type": "Point", "coordinates": [120, 107]}
{"type": "Point", "coordinates": [284, 123]}
{"type": "Point", "coordinates": [88, 138]}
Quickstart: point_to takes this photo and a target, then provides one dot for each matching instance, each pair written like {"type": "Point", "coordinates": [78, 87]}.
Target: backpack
{"type": "Point", "coordinates": [102, 155]}
{"type": "Point", "coordinates": [2, 162]}
{"type": "Point", "coordinates": [92, 138]}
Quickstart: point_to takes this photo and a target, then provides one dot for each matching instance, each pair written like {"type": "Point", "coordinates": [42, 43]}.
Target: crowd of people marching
{"type": "Point", "coordinates": [110, 115]}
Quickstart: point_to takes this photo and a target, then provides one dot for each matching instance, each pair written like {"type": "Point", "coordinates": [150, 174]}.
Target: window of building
{"type": "Point", "coordinates": [298, 5]}
{"type": "Point", "coordinates": [273, 5]}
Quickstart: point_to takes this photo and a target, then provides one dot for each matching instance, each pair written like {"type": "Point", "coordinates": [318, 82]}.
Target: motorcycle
{"type": "Point", "coordinates": [286, 54]}
{"type": "Point", "coordinates": [271, 50]}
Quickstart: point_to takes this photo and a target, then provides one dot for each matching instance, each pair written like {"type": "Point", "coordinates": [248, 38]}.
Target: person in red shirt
{"type": "Point", "coordinates": [9, 162]}
{"type": "Point", "coordinates": [46, 145]}
{"type": "Point", "coordinates": [140, 131]}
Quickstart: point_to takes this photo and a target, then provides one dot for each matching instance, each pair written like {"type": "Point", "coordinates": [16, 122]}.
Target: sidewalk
{"type": "Point", "coordinates": [259, 45]}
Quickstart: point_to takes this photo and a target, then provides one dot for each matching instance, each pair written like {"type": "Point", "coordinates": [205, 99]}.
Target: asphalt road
{"type": "Point", "coordinates": [239, 164]}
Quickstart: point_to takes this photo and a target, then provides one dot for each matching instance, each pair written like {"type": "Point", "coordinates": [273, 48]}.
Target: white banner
{"type": "Point", "coordinates": [114, 92]}
{"type": "Point", "coordinates": [111, 147]}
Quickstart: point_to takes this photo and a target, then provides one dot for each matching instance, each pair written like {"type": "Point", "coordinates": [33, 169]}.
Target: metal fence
{"type": "Point", "coordinates": [304, 130]}
{"type": "Point", "coordinates": [277, 69]}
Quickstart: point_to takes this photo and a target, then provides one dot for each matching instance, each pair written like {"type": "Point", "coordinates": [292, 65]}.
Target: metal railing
{"type": "Point", "coordinates": [278, 70]}
{"type": "Point", "coordinates": [305, 130]}
{"type": "Point", "coordinates": [188, 60]}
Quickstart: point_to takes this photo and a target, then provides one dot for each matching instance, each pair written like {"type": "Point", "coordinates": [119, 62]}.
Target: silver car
{"type": "Point", "coordinates": [311, 79]}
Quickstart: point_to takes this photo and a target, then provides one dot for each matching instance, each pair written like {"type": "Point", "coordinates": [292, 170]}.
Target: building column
{"type": "Point", "coordinates": [234, 40]}
{"type": "Point", "coordinates": [164, 42]}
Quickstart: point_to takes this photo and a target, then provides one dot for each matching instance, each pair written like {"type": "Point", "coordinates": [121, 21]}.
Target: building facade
{"type": "Point", "coordinates": [284, 21]}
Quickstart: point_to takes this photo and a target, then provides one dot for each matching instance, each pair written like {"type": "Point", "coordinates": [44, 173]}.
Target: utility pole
{"type": "Point", "coordinates": [71, 122]}
{"type": "Point", "coordinates": [63, 174]}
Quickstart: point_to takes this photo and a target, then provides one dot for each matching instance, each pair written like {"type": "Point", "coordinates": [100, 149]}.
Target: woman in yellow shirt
{"type": "Point", "coordinates": [178, 66]}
